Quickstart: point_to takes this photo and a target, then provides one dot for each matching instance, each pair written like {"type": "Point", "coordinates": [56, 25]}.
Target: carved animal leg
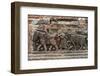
{"type": "Point", "coordinates": [50, 47]}
{"type": "Point", "coordinates": [56, 47]}
{"type": "Point", "coordinates": [45, 47]}
{"type": "Point", "coordinates": [38, 47]}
